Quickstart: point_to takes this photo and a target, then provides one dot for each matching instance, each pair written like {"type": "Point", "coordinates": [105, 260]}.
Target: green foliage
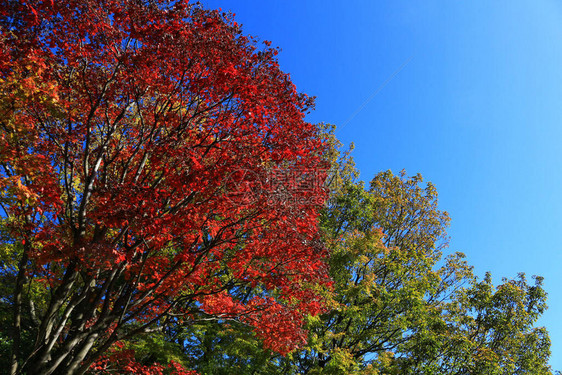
{"type": "Point", "coordinates": [384, 246]}
{"type": "Point", "coordinates": [214, 347]}
{"type": "Point", "coordinates": [401, 308]}
{"type": "Point", "coordinates": [155, 348]}
{"type": "Point", "coordinates": [485, 330]}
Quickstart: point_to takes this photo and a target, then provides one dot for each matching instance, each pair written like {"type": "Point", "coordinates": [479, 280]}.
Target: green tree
{"type": "Point", "coordinates": [484, 329]}
{"type": "Point", "coordinates": [399, 308]}
{"type": "Point", "coordinates": [384, 245]}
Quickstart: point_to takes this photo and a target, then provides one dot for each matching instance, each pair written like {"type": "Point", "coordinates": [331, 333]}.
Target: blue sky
{"type": "Point", "coordinates": [477, 110]}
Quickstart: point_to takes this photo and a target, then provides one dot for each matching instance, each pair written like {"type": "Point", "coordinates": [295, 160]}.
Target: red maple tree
{"type": "Point", "coordinates": [129, 130]}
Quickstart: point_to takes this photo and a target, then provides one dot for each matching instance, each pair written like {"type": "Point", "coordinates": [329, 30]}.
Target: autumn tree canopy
{"type": "Point", "coordinates": [134, 135]}
{"type": "Point", "coordinates": [397, 305]}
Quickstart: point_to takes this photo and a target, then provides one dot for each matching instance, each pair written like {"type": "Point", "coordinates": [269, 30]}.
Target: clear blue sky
{"type": "Point", "coordinates": [477, 111]}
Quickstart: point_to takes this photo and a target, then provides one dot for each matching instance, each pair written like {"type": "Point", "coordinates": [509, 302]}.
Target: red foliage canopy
{"type": "Point", "coordinates": [142, 144]}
